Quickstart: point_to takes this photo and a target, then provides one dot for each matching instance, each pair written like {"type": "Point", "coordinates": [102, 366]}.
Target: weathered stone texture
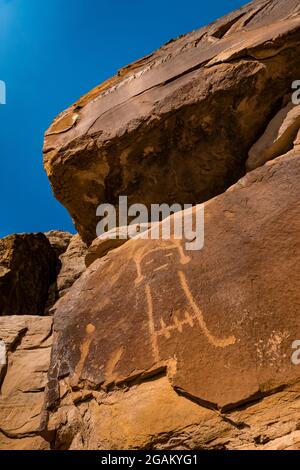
{"type": "Point", "coordinates": [28, 345]}
{"type": "Point", "coordinates": [152, 308]}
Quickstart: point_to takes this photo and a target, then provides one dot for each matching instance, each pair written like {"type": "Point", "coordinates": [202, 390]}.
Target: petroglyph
{"type": "Point", "coordinates": [168, 245]}
{"type": "Point", "coordinates": [218, 343]}
{"type": "Point", "coordinates": [153, 334]}
{"type": "Point", "coordinates": [177, 324]}
{"type": "Point", "coordinates": [110, 374]}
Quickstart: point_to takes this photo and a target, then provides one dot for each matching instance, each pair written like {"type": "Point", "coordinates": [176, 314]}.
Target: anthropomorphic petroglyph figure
{"type": "Point", "coordinates": [171, 311]}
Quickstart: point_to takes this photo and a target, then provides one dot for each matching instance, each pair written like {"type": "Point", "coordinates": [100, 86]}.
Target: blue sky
{"type": "Point", "coordinates": [52, 52]}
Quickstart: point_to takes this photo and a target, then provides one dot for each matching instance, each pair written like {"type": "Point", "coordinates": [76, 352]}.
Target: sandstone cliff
{"type": "Point", "coordinates": [158, 347]}
{"type": "Point", "coordinates": [152, 346]}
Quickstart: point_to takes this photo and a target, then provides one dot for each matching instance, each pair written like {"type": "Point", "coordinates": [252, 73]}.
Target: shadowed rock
{"type": "Point", "coordinates": [278, 138]}
{"type": "Point", "coordinates": [27, 269]}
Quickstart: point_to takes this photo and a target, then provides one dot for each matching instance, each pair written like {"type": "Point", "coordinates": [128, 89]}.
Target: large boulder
{"type": "Point", "coordinates": [177, 125]}
{"type": "Point", "coordinates": [27, 345]}
{"type": "Point", "coordinates": [27, 270]}
{"type": "Point", "coordinates": [152, 337]}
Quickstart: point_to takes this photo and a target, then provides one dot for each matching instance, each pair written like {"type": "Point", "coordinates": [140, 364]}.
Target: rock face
{"type": "Point", "coordinates": [212, 329]}
{"type": "Point", "coordinates": [155, 346]}
{"type": "Point", "coordinates": [279, 137]}
{"type": "Point", "coordinates": [72, 265]}
{"type": "Point", "coordinates": [25, 364]}
{"type": "Point", "coordinates": [177, 126]}
{"type": "Point", "coordinates": [59, 241]}
{"type": "Point", "coordinates": [37, 269]}
{"type": "Point", "coordinates": [70, 252]}
{"type": "Point", "coordinates": [152, 415]}
{"type": "Point", "coordinates": [110, 241]}
{"type": "Point", "coordinates": [27, 269]}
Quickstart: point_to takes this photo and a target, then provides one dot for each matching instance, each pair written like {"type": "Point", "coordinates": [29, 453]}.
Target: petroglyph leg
{"type": "Point", "coordinates": [217, 342]}
{"type": "Point", "coordinates": [153, 335]}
